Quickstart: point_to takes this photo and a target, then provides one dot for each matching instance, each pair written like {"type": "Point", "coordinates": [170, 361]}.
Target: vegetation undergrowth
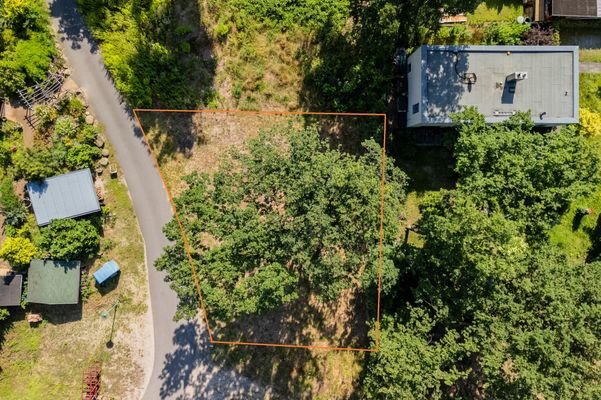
{"type": "Point", "coordinates": [26, 44]}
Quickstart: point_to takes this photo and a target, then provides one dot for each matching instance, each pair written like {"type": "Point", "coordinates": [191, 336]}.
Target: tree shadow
{"type": "Point", "coordinates": [447, 79]}
{"type": "Point", "coordinates": [172, 133]}
{"type": "Point", "coordinates": [594, 253]}
{"type": "Point", "coordinates": [58, 314]}
{"type": "Point", "coordinates": [71, 26]}
{"type": "Point", "coordinates": [189, 372]}
{"type": "Point", "coordinates": [306, 321]}
{"type": "Point", "coordinates": [347, 132]}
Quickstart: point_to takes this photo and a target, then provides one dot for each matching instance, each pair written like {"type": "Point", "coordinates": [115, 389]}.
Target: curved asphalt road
{"type": "Point", "coordinates": [182, 367]}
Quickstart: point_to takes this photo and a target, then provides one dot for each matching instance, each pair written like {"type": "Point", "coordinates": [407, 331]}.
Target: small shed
{"type": "Point", "coordinates": [53, 282]}
{"type": "Point", "coordinates": [63, 196]}
{"type": "Point", "coordinates": [10, 289]}
{"type": "Point", "coordinates": [108, 270]}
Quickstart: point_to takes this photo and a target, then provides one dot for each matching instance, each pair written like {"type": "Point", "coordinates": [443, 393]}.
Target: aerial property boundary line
{"type": "Point", "coordinates": [187, 247]}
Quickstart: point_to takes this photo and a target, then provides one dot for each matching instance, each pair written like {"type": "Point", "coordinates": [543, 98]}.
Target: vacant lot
{"type": "Point", "coordinates": [198, 142]}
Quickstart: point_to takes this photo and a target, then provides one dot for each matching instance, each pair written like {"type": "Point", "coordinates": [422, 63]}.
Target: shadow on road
{"type": "Point", "coordinates": [190, 373]}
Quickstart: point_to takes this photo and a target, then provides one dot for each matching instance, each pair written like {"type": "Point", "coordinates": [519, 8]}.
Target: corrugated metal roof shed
{"type": "Point", "coordinates": [10, 290]}
{"type": "Point", "coordinates": [106, 272]}
{"type": "Point", "coordinates": [576, 8]}
{"type": "Point", "coordinates": [63, 196]}
{"type": "Point", "coordinates": [53, 282]}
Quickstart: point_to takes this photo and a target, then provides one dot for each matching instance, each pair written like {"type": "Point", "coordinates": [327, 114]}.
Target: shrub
{"type": "Point", "coordinates": [70, 239]}
{"type": "Point", "coordinates": [45, 115]}
{"type": "Point", "coordinates": [88, 134]}
{"type": "Point", "coordinates": [82, 156]}
{"type": "Point", "coordinates": [10, 139]}
{"type": "Point", "coordinates": [457, 34]}
{"type": "Point", "coordinates": [87, 287]}
{"type": "Point", "coordinates": [72, 105]}
{"type": "Point", "coordinates": [540, 36]}
{"type": "Point", "coordinates": [221, 30]}
{"type": "Point", "coordinates": [65, 127]}
{"type": "Point", "coordinates": [18, 251]}
{"type": "Point", "coordinates": [39, 162]}
{"type": "Point", "coordinates": [504, 33]}
{"type": "Point", "coordinates": [29, 61]}
{"type": "Point", "coordinates": [15, 213]}
{"type": "Point", "coordinates": [9, 129]}
{"type": "Point", "coordinates": [590, 122]}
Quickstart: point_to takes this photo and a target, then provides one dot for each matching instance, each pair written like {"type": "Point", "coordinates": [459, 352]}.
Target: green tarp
{"type": "Point", "coordinates": [53, 282]}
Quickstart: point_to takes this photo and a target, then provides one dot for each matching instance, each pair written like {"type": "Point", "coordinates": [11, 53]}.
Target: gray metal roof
{"type": "Point", "coordinates": [550, 90]}
{"type": "Point", "coordinates": [10, 289]}
{"type": "Point", "coordinates": [576, 8]}
{"type": "Point", "coordinates": [63, 196]}
{"type": "Point", "coordinates": [53, 282]}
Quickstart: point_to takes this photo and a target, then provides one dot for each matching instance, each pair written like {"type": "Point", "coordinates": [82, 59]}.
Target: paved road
{"type": "Point", "coordinates": [182, 367]}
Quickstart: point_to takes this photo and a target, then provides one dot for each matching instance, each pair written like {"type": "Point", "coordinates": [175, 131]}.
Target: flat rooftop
{"type": "Point", "coordinates": [550, 90]}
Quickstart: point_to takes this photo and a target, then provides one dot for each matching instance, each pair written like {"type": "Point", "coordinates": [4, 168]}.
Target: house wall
{"type": "Point", "coordinates": [414, 93]}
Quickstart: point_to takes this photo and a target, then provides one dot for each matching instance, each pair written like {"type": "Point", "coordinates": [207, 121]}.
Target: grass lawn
{"type": "Point", "coordinates": [590, 55]}
{"type": "Point", "coordinates": [496, 10]}
{"type": "Point", "coordinates": [590, 91]}
{"type": "Point", "coordinates": [577, 239]}
{"type": "Point", "coordinates": [48, 361]}
{"type": "Point", "coordinates": [576, 236]}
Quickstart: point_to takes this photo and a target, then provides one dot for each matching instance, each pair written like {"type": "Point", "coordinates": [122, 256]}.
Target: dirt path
{"type": "Point", "coordinates": [17, 113]}
{"type": "Point", "coordinates": [590, 67]}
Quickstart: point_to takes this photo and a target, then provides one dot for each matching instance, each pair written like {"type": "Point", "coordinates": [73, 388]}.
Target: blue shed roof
{"type": "Point", "coordinates": [63, 196]}
{"type": "Point", "coordinates": [107, 271]}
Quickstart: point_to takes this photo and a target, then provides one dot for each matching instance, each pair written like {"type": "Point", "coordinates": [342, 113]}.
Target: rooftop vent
{"type": "Point", "coordinates": [518, 76]}
{"type": "Point", "coordinates": [499, 113]}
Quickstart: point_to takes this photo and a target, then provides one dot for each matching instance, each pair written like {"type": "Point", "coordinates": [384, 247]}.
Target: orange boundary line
{"type": "Point", "coordinates": [185, 240]}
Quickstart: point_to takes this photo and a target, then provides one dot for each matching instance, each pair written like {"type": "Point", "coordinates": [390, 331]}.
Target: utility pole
{"type": "Point", "coordinates": [104, 314]}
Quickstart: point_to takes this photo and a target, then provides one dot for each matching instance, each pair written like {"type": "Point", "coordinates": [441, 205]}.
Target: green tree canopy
{"type": "Point", "coordinates": [70, 239]}
{"type": "Point", "coordinates": [527, 175]}
{"type": "Point", "coordinates": [503, 318]}
{"type": "Point", "coordinates": [26, 45]}
{"type": "Point", "coordinates": [286, 211]}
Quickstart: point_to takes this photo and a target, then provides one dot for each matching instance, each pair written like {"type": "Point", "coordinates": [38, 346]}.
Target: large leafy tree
{"type": "Point", "coordinates": [527, 175]}
{"type": "Point", "coordinates": [500, 318]}
{"type": "Point", "coordinates": [495, 311]}
{"type": "Point", "coordinates": [287, 212]}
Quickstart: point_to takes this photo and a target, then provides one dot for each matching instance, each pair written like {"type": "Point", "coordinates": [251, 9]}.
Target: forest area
{"type": "Point", "coordinates": [497, 294]}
